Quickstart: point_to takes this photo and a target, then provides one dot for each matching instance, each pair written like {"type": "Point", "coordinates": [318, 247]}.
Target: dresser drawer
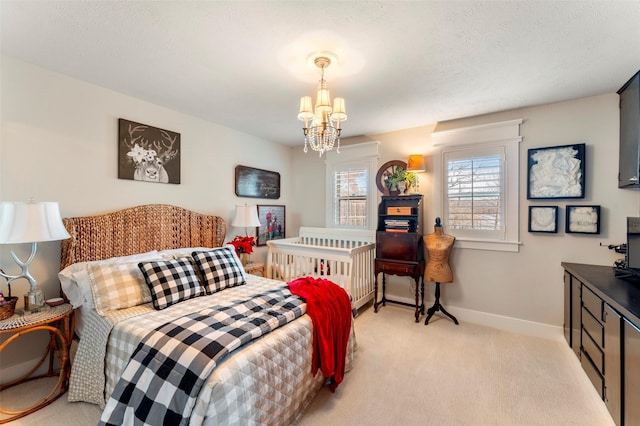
{"type": "Point", "coordinates": [593, 374]}
{"type": "Point", "coordinates": [595, 353]}
{"type": "Point", "coordinates": [592, 302]}
{"type": "Point", "coordinates": [593, 327]}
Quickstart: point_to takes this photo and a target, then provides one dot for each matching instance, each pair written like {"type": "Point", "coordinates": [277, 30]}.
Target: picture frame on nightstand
{"type": "Point", "coordinates": [272, 223]}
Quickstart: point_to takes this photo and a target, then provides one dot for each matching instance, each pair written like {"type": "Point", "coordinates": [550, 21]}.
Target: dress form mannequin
{"type": "Point", "coordinates": [438, 245]}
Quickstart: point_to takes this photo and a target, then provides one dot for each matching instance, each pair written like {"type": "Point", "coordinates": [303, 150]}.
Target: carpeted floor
{"type": "Point", "coordinates": [406, 373]}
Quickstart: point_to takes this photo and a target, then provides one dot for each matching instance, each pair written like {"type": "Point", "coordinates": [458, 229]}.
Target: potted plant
{"type": "Point", "coordinates": [243, 246]}
{"type": "Point", "coordinates": [400, 180]}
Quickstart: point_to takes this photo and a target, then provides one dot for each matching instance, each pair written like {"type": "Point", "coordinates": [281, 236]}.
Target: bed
{"type": "Point", "coordinates": [344, 256]}
{"type": "Point", "coordinates": [266, 381]}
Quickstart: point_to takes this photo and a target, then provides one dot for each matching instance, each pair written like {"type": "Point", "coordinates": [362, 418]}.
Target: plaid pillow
{"type": "Point", "coordinates": [220, 268]}
{"type": "Point", "coordinates": [116, 286]}
{"type": "Point", "coordinates": [170, 281]}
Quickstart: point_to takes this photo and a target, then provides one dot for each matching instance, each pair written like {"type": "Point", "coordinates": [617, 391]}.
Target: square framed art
{"type": "Point", "coordinates": [556, 172]}
{"type": "Point", "coordinates": [583, 220]}
{"type": "Point", "coordinates": [272, 223]}
{"type": "Point", "coordinates": [543, 219]}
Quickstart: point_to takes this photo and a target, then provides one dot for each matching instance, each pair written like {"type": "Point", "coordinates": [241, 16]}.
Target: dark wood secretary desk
{"type": "Point", "coordinates": [399, 246]}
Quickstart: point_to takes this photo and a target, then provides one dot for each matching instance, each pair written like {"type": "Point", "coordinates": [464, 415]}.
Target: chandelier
{"type": "Point", "coordinates": [322, 124]}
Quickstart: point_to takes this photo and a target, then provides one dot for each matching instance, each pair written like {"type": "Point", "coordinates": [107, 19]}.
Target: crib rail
{"type": "Point", "coordinates": [345, 257]}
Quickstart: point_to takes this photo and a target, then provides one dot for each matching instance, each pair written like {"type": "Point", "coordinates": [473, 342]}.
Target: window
{"type": "Point", "coordinates": [477, 185]}
{"type": "Point", "coordinates": [351, 196]}
{"type": "Point", "coordinates": [351, 191]}
{"type": "Point", "coordinates": [475, 182]}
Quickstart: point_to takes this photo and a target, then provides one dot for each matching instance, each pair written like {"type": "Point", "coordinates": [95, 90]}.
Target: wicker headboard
{"type": "Point", "coordinates": [138, 230]}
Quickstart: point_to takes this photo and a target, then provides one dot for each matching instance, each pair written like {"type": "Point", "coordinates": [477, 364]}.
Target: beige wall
{"type": "Point", "coordinates": [524, 287]}
{"type": "Point", "coordinates": [59, 143]}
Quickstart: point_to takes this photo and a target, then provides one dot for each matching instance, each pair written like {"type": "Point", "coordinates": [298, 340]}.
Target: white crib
{"type": "Point", "coordinates": [344, 256]}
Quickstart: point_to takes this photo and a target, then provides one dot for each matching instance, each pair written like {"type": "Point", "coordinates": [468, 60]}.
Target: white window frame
{"type": "Point", "coordinates": [505, 135]}
{"type": "Point", "coordinates": [363, 155]}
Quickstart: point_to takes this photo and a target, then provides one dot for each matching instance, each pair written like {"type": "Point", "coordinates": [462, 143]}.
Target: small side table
{"type": "Point", "coordinates": [255, 268]}
{"type": "Point", "coordinates": [59, 322]}
{"type": "Point", "coordinates": [414, 270]}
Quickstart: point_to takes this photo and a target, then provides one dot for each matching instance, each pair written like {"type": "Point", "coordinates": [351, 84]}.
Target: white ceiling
{"type": "Point", "coordinates": [403, 64]}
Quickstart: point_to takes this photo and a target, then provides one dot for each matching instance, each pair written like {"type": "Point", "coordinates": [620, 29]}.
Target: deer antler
{"type": "Point", "coordinates": [167, 143]}
{"type": "Point", "coordinates": [133, 139]}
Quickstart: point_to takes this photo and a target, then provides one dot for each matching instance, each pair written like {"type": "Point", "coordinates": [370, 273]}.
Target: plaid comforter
{"type": "Point", "coordinates": [164, 376]}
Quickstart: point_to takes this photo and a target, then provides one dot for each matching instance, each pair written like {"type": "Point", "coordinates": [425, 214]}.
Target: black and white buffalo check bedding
{"type": "Point", "coordinates": [164, 376]}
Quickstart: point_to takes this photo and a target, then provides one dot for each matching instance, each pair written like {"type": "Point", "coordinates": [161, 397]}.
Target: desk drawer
{"type": "Point", "coordinates": [594, 352]}
{"type": "Point", "coordinates": [593, 374]}
{"type": "Point", "coordinates": [592, 302]}
{"type": "Point", "coordinates": [396, 268]}
{"type": "Point", "coordinates": [593, 327]}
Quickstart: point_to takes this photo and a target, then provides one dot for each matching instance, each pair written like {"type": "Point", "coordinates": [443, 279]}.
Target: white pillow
{"type": "Point", "coordinates": [75, 280]}
{"type": "Point", "coordinates": [171, 254]}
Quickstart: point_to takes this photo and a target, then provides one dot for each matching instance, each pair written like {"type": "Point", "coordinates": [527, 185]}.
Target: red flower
{"type": "Point", "coordinates": [243, 244]}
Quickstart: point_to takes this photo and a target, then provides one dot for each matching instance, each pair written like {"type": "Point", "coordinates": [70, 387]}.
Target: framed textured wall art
{"type": "Point", "coordinates": [272, 223]}
{"type": "Point", "coordinates": [556, 172]}
{"type": "Point", "coordinates": [257, 183]}
{"type": "Point", "coordinates": [583, 220]}
{"type": "Point", "coordinates": [147, 153]}
{"type": "Point", "coordinates": [543, 219]}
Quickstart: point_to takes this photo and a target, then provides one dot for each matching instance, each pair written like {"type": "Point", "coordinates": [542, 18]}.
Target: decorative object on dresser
{"type": "Point", "coordinates": [399, 248]}
{"type": "Point", "coordinates": [246, 216]}
{"type": "Point", "coordinates": [394, 179]}
{"type": "Point", "coordinates": [322, 122]}
{"type": "Point", "coordinates": [272, 223]}
{"type": "Point", "coordinates": [390, 168]}
{"type": "Point", "coordinates": [556, 172]}
{"type": "Point", "coordinates": [147, 153]}
{"type": "Point", "coordinates": [257, 183]}
{"type": "Point", "coordinates": [30, 222]}
{"type": "Point", "coordinates": [438, 245]}
{"type": "Point", "coordinates": [59, 322]}
{"type": "Point", "coordinates": [602, 327]}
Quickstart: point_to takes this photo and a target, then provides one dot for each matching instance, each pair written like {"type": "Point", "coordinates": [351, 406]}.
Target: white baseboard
{"type": "Point", "coordinates": [501, 322]}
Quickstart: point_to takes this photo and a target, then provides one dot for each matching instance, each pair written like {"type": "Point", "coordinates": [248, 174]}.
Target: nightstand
{"type": "Point", "coordinates": [255, 268]}
{"type": "Point", "coordinates": [59, 322]}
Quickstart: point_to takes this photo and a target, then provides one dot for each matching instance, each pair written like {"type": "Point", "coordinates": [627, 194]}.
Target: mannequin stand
{"type": "Point", "coordinates": [438, 307]}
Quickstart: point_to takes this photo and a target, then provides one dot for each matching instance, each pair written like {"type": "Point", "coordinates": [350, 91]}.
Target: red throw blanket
{"type": "Point", "coordinates": [329, 307]}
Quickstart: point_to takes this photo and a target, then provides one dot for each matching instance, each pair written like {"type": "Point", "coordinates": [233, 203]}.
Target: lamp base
{"type": "Point", "coordinates": [34, 300]}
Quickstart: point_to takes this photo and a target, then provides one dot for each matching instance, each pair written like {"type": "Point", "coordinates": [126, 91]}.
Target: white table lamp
{"type": "Point", "coordinates": [30, 222]}
{"type": "Point", "coordinates": [246, 216]}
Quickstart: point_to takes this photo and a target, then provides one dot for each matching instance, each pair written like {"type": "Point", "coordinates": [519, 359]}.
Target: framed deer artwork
{"type": "Point", "coordinates": [147, 153]}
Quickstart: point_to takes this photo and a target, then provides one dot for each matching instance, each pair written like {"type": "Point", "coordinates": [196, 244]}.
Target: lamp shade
{"type": "Point", "coordinates": [246, 216]}
{"type": "Point", "coordinates": [339, 111]}
{"type": "Point", "coordinates": [28, 222]}
{"type": "Point", "coordinates": [415, 163]}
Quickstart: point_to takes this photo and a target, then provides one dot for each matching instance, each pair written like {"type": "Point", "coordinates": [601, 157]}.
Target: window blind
{"type": "Point", "coordinates": [475, 192]}
{"type": "Point", "coordinates": [351, 203]}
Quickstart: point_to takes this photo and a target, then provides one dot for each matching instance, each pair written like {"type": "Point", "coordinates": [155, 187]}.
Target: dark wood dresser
{"type": "Point", "coordinates": [399, 246]}
{"type": "Point", "coordinates": [602, 326]}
